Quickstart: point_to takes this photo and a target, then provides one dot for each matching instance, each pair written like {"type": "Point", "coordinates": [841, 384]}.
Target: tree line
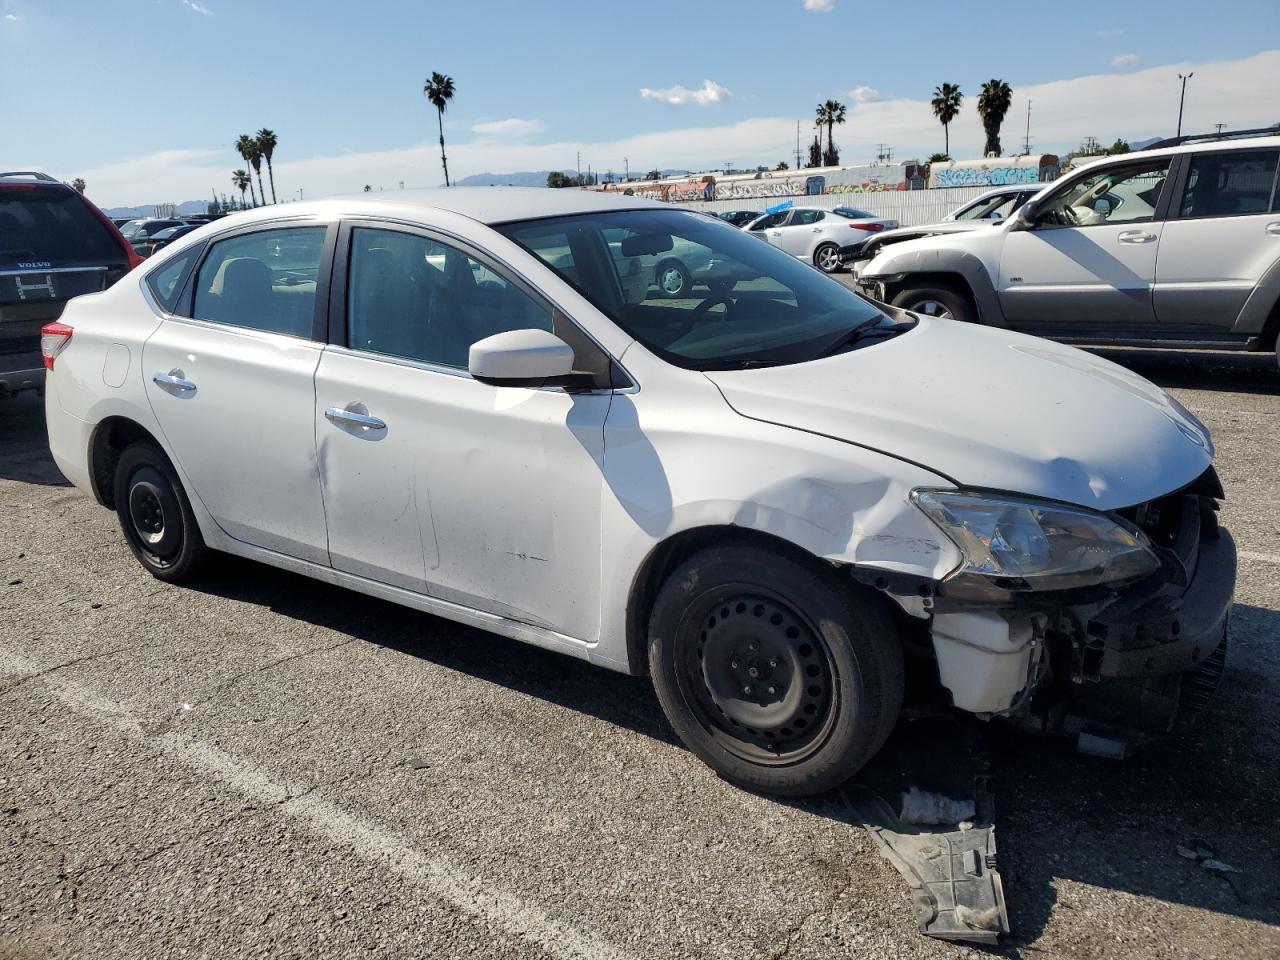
{"type": "Point", "coordinates": [254, 150]}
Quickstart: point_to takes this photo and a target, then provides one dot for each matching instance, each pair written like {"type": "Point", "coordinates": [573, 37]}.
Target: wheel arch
{"type": "Point", "coordinates": [963, 270]}
{"type": "Point", "coordinates": [667, 555]}
{"type": "Point", "coordinates": [109, 439]}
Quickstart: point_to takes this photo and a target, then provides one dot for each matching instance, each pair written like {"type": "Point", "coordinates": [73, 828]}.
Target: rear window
{"type": "Point", "coordinates": [853, 213]}
{"type": "Point", "coordinates": [53, 225]}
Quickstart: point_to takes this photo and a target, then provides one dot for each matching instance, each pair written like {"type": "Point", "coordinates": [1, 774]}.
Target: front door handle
{"type": "Point", "coordinates": [174, 380]}
{"type": "Point", "coordinates": [1135, 236]}
{"type": "Point", "coordinates": [1274, 228]}
{"type": "Point", "coordinates": [350, 418]}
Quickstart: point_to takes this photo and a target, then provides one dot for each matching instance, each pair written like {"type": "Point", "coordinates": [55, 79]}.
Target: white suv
{"type": "Point", "coordinates": [1176, 246]}
{"type": "Point", "coordinates": [773, 499]}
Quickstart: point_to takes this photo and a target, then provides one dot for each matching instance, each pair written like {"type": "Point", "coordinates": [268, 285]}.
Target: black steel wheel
{"type": "Point", "coordinates": [780, 674]}
{"type": "Point", "coordinates": [155, 514]}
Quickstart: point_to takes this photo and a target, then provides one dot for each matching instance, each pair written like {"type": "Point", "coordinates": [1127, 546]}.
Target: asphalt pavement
{"type": "Point", "coordinates": [261, 765]}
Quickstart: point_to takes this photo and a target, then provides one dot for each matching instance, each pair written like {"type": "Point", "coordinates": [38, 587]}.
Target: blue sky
{"type": "Point", "coordinates": [162, 87]}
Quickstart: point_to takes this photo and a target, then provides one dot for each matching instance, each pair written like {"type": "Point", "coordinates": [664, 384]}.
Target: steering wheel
{"type": "Point", "coordinates": [700, 311]}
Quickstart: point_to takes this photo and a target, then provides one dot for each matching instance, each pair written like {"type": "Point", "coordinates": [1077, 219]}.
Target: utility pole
{"type": "Point", "coordinates": [1219, 126]}
{"type": "Point", "coordinates": [1182, 99]}
{"type": "Point", "coordinates": [797, 144]}
{"type": "Point", "coordinates": [578, 166]}
{"type": "Point", "coordinates": [1026, 141]}
{"type": "Point", "coordinates": [626, 170]}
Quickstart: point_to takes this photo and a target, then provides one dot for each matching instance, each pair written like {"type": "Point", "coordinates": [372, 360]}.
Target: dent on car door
{"type": "Point", "coordinates": [481, 495]}
{"type": "Point", "coordinates": [1089, 259]}
{"type": "Point", "coordinates": [230, 383]}
{"type": "Point", "coordinates": [1223, 235]}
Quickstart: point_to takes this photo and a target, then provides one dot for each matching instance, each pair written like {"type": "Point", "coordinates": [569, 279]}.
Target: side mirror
{"type": "Point", "coordinates": [1024, 218]}
{"type": "Point", "coordinates": [520, 358]}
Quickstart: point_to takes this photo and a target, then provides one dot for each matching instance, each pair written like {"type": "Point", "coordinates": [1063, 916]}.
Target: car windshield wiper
{"type": "Point", "coordinates": [849, 337]}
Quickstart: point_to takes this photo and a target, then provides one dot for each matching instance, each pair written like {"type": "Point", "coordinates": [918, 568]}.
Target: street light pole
{"type": "Point", "coordinates": [1182, 99]}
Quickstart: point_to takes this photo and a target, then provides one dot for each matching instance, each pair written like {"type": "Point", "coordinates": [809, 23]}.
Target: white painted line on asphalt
{"type": "Point", "coordinates": [1260, 557]}
{"type": "Point", "coordinates": [486, 904]}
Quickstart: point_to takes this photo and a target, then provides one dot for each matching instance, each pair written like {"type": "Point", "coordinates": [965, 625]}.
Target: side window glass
{"type": "Point", "coordinates": [1228, 185]}
{"type": "Point", "coordinates": [771, 220]}
{"type": "Point", "coordinates": [805, 217]}
{"type": "Point", "coordinates": [1124, 194]}
{"type": "Point", "coordinates": [262, 281]}
{"type": "Point", "coordinates": [413, 297]}
{"type": "Point", "coordinates": [166, 281]}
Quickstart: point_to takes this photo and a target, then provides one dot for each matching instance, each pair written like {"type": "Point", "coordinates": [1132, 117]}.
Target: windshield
{"type": "Point", "coordinates": [699, 293]}
{"type": "Point", "coordinates": [990, 208]}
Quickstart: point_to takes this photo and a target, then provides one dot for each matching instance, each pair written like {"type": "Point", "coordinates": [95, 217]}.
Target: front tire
{"type": "Point", "coordinates": [937, 300]}
{"type": "Point", "coordinates": [156, 516]}
{"type": "Point", "coordinates": [827, 258]}
{"type": "Point", "coordinates": [782, 676]}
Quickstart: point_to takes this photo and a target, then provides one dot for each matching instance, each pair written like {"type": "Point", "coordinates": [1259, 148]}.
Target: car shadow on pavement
{"type": "Point", "coordinates": [1111, 825]}
{"type": "Point", "coordinates": [24, 445]}
{"type": "Point", "coordinates": [1201, 369]}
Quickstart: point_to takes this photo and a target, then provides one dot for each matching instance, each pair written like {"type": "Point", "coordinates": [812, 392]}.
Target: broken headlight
{"type": "Point", "coordinates": [1011, 543]}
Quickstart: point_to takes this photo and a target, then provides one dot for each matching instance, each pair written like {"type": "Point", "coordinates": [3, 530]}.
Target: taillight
{"type": "Point", "coordinates": [868, 227]}
{"type": "Point", "coordinates": [54, 338]}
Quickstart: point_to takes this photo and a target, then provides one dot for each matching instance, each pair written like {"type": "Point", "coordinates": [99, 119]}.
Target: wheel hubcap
{"type": "Point", "coordinates": [154, 516]}
{"type": "Point", "coordinates": [672, 280]}
{"type": "Point", "coordinates": [761, 677]}
{"type": "Point", "coordinates": [828, 259]}
{"type": "Point", "coordinates": [931, 308]}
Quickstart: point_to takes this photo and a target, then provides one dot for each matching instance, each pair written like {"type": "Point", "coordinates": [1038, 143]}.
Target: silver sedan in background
{"type": "Point", "coordinates": [815, 234]}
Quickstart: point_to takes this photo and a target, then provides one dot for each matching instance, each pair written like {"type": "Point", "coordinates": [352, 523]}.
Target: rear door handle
{"type": "Point", "coordinates": [349, 418]}
{"type": "Point", "coordinates": [1274, 228]}
{"type": "Point", "coordinates": [1135, 236]}
{"type": "Point", "coordinates": [174, 381]}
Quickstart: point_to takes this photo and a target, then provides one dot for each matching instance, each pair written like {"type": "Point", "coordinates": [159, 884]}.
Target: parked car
{"type": "Point", "coordinates": [144, 227]}
{"type": "Point", "coordinates": [146, 246]}
{"type": "Point", "coordinates": [991, 207]}
{"type": "Point", "coordinates": [777, 502]}
{"type": "Point", "coordinates": [815, 234]}
{"type": "Point", "coordinates": [54, 245]}
{"type": "Point", "coordinates": [739, 218]}
{"type": "Point", "coordinates": [120, 221]}
{"type": "Point", "coordinates": [1178, 245]}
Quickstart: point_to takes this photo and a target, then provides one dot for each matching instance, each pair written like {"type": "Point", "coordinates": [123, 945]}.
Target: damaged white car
{"type": "Point", "coordinates": [781, 500]}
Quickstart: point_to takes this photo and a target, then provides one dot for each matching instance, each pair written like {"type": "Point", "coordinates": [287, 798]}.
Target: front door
{"type": "Point", "coordinates": [231, 386]}
{"type": "Point", "coordinates": [480, 495]}
{"type": "Point", "coordinates": [1089, 261]}
{"type": "Point", "coordinates": [800, 233]}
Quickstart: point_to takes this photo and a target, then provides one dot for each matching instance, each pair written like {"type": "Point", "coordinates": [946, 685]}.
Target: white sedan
{"type": "Point", "coordinates": [777, 498]}
{"type": "Point", "coordinates": [815, 234]}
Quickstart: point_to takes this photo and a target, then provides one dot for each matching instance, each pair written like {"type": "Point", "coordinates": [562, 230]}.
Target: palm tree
{"type": "Point", "coordinates": [993, 104]}
{"type": "Point", "coordinates": [830, 113]}
{"type": "Point", "coordinates": [78, 185]}
{"type": "Point", "coordinates": [267, 144]}
{"type": "Point", "coordinates": [246, 147]}
{"type": "Point", "coordinates": [367, 188]}
{"type": "Point", "coordinates": [946, 107]}
{"type": "Point", "coordinates": [241, 181]}
{"type": "Point", "coordinates": [439, 90]}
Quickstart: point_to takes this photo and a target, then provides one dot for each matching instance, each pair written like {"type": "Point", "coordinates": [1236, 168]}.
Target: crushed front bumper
{"type": "Point", "coordinates": [1112, 667]}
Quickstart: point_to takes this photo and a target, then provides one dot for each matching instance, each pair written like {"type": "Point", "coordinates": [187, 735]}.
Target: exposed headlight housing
{"type": "Point", "coordinates": [1020, 544]}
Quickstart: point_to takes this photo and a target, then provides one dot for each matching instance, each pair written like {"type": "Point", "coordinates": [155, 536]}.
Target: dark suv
{"type": "Point", "coordinates": [54, 245]}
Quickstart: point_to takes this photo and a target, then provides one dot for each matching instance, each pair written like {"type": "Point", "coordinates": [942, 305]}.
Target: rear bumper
{"type": "Point", "coordinates": [18, 372]}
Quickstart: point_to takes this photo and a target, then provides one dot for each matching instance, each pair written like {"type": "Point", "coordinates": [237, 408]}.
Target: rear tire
{"type": "Point", "coordinates": [672, 279]}
{"type": "Point", "coordinates": [936, 299]}
{"type": "Point", "coordinates": [827, 258]}
{"type": "Point", "coordinates": [156, 516]}
{"type": "Point", "coordinates": [783, 677]}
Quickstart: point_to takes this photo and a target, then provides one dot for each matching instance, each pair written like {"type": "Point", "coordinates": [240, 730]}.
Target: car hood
{"type": "Point", "coordinates": [932, 229]}
{"type": "Point", "coordinates": [990, 409]}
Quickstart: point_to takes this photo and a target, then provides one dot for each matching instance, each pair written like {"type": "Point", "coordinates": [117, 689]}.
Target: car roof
{"type": "Point", "coordinates": [1205, 146]}
{"type": "Point", "coordinates": [488, 205]}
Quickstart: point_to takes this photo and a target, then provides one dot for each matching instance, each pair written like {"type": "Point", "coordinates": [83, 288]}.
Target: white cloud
{"type": "Point", "coordinates": [710, 94]}
{"type": "Point", "coordinates": [865, 94]}
{"type": "Point", "coordinates": [1124, 61]}
{"type": "Point", "coordinates": [1134, 105]}
{"type": "Point", "coordinates": [13, 18]}
{"type": "Point", "coordinates": [512, 127]}
{"type": "Point", "coordinates": [198, 7]}
{"type": "Point", "coordinates": [820, 6]}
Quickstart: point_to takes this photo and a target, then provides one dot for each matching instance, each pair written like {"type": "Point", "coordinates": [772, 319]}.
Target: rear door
{"type": "Point", "coordinates": [231, 383]}
{"type": "Point", "coordinates": [53, 246]}
{"type": "Point", "coordinates": [801, 232]}
{"type": "Point", "coordinates": [1222, 235]}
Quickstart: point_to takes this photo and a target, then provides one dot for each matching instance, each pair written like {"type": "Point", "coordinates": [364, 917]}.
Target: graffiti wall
{"type": "Point", "coordinates": [994, 171]}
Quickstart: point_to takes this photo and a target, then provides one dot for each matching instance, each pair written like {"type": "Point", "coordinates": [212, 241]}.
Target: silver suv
{"type": "Point", "coordinates": [1178, 245]}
